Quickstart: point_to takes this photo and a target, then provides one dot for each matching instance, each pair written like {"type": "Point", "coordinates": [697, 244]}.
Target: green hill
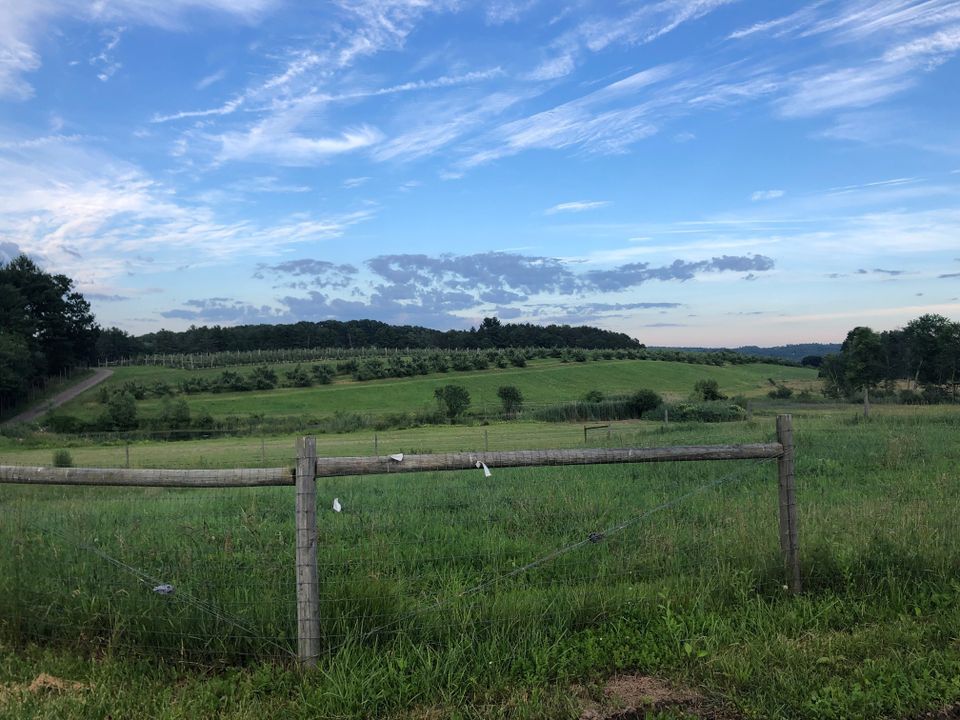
{"type": "Point", "coordinates": [541, 382]}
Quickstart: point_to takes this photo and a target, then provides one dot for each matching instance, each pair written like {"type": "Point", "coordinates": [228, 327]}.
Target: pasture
{"type": "Point", "coordinates": [541, 381]}
{"type": "Point", "coordinates": [429, 608]}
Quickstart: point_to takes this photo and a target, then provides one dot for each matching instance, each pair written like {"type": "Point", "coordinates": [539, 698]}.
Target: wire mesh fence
{"type": "Point", "coordinates": [439, 559]}
{"type": "Point", "coordinates": [207, 574]}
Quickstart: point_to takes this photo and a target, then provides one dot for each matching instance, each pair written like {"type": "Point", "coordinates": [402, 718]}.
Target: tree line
{"type": "Point", "coordinates": [46, 328]}
{"type": "Point", "coordinates": [917, 363]}
{"type": "Point", "coordinates": [491, 333]}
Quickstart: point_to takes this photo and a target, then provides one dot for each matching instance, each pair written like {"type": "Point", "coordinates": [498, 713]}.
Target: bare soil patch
{"type": "Point", "coordinates": [625, 697]}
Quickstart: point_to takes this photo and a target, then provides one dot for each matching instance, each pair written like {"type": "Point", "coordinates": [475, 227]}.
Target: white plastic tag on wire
{"type": "Point", "coordinates": [398, 457]}
{"type": "Point", "coordinates": [337, 507]}
{"type": "Point", "coordinates": [486, 470]}
{"type": "Point", "coordinates": [165, 589]}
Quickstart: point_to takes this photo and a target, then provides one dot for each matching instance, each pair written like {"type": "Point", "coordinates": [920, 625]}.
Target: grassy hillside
{"type": "Point", "coordinates": [542, 381]}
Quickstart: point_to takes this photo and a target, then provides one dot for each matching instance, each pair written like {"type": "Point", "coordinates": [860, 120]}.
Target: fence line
{"type": "Point", "coordinates": [309, 467]}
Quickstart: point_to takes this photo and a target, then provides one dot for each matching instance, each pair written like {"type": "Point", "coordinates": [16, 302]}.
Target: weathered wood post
{"type": "Point", "coordinates": [866, 401]}
{"type": "Point", "coordinates": [308, 588]}
{"type": "Point", "coordinates": [789, 544]}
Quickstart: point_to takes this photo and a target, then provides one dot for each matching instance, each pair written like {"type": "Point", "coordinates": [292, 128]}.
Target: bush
{"type": "Point", "coordinates": [263, 378]}
{"type": "Point", "coordinates": [645, 400]}
{"type": "Point", "coordinates": [323, 374]}
{"type": "Point", "coordinates": [65, 424]}
{"type": "Point", "coordinates": [121, 412]}
{"type": "Point", "coordinates": [204, 420]}
{"type": "Point", "coordinates": [593, 396]}
{"type": "Point", "coordinates": [707, 390]}
{"type": "Point", "coordinates": [452, 400]}
{"type": "Point", "coordinates": [174, 415]}
{"type": "Point", "coordinates": [511, 398]}
{"type": "Point", "coordinates": [716, 411]}
{"type": "Point", "coordinates": [782, 392]}
{"type": "Point", "coordinates": [62, 458]}
{"type": "Point", "coordinates": [298, 377]}
{"type": "Point", "coordinates": [909, 397]}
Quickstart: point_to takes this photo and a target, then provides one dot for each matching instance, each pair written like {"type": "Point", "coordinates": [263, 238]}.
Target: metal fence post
{"type": "Point", "coordinates": [308, 589]}
{"type": "Point", "coordinates": [789, 544]}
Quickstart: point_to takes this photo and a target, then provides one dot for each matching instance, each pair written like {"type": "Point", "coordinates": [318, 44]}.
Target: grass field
{"type": "Point", "coordinates": [416, 623]}
{"type": "Point", "coordinates": [542, 381]}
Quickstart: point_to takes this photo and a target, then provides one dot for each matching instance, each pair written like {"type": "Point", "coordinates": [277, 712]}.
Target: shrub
{"type": "Point", "coordinates": [62, 458]}
{"type": "Point", "coordinates": [263, 378]}
{"type": "Point", "coordinates": [65, 424]}
{"type": "Point", "coordinates": [593, 396]}
{"type": "Point", "coordinates": [323, 374]}
{"type": "Point", "coordinates": [782, 392]}
{"type": "Point", "coordinates": [707, 390]}
{"type": "Point", "coordinates": [645, 400]}
{"type": "Point", "coordinates": [511, 398]}
{"type": "Point", "coordinates": [716, 411]}
{"type": "Point", "coordinates": [369, 369]}
{"type": "Point", "coordinates": [175, 415]}
{"type": "Point", "coordinates": [298, 377]}
{"type": "Point", "coordinates": [121, 413]}
{"type": "Point", "coordinates": [204, 420]}
{"type": "Point", "coordinates": [452, 400]}
{"type": "Point", "coordinates": [909, 397]}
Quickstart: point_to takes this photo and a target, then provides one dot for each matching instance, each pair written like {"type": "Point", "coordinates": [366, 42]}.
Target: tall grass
{"type": "Point", "coordinates": [421, 606]}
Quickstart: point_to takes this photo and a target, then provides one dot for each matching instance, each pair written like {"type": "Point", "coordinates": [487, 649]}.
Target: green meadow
{"type": "Point", "coordinates": [541, 382]}
{"type": "Point", "coordinates": [430, 606]}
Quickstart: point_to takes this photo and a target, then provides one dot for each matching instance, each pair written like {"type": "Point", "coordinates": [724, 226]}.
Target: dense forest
{"type": "Point", "coordinates": [925, 354]}
{"type": "Point", "coordinates": [372, 333]}
{"type": "Point", "coordinates": [46, 328]}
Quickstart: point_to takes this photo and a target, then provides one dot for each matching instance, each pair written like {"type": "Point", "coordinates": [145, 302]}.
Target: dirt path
{"type": "Point", "coordinates": [45, 406]}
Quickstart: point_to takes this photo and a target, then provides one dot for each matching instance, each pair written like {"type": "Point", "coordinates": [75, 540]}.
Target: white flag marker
{"type": "Point", "coordinates": [337, 507]}
{"type": "Point", "coordinates": [398, 457]}
{"type": "Point", "coordinates": [486, 470]}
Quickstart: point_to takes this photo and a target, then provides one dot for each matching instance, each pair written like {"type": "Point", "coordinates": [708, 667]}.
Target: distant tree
{"type": "Point", "coordinates": [593, 396]}
{"type": "Point", "coordinates": [298, 377]}
{"type": "Point", "coordinates": [263, 378]}
{"type": "Point", "coordinates": [175, 414]}
{"type": "Point", "coordinates": [452, 400]}
{"type": "Point", "coordinates": [814, 361]}
{"type": "Point", "coordinates": [511, 398]}
{"type": "Point", "coordinates": [645, 400]}
{"type": "Point", "coordinates": [121, 413]}
{"type": "Point", "coordinates": [114, 343]}
{"type": "Point", "coordinates": [707, 390]}
{"type": "Point", "coordinates": [862, 359]}
{"type": "Point", "coordinates": [323, 374]}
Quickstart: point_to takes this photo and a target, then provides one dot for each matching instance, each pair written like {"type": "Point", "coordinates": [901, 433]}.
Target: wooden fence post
{"type": "Point", "coordinates": [308, 589]}
{"type": "Point", "coordinates": [789, 544]}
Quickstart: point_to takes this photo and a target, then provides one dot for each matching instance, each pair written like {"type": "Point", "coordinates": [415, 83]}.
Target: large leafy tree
{"type": "Point", "coordinates": [45, 326]}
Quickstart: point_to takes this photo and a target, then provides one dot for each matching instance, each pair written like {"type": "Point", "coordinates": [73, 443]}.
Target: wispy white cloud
{"type": "Point", "coordinates": [208, 80]}
{"type": "Point", "coordinates": [98, 218]}
{"type": "Point", "coordinates": [22, 22]}
{"type": "Point", "coordinates": [576, 206]}
{"type": "Point", "coordinates": [766, 195]}
{"type": "Point", "coordinates": [355, 182]}
{"type": "Point", "coordinates": [274, 141]}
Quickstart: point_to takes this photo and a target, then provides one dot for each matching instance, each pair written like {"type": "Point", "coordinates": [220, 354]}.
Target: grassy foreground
{"type": "Point", "coordinates": [421, 617]}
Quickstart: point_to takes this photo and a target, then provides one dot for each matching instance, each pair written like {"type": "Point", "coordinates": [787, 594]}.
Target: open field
{"type": "Point", "coordinates": [542, 381]}
{"type": "Point", "coordinates": [421, 620]}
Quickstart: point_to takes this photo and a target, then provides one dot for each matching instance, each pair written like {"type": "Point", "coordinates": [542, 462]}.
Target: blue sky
{"type": "Point", "coordinates": [691, 172]}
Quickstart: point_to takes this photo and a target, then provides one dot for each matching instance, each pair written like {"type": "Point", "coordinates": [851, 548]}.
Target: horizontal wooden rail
{"type": "Point", "coordinates": [245, 477]}
{"type": "Point", "coordinates": [379, 465]}
{"type": "Point", "coordinates": [335, 466]}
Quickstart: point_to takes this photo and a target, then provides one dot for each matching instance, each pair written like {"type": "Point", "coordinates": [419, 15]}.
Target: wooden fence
{"type": "Point", "coordinates": [310, 467]}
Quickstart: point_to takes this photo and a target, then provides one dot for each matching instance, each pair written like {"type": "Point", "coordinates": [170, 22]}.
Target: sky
{"type": "Point", "coordinates": [690, 172]}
